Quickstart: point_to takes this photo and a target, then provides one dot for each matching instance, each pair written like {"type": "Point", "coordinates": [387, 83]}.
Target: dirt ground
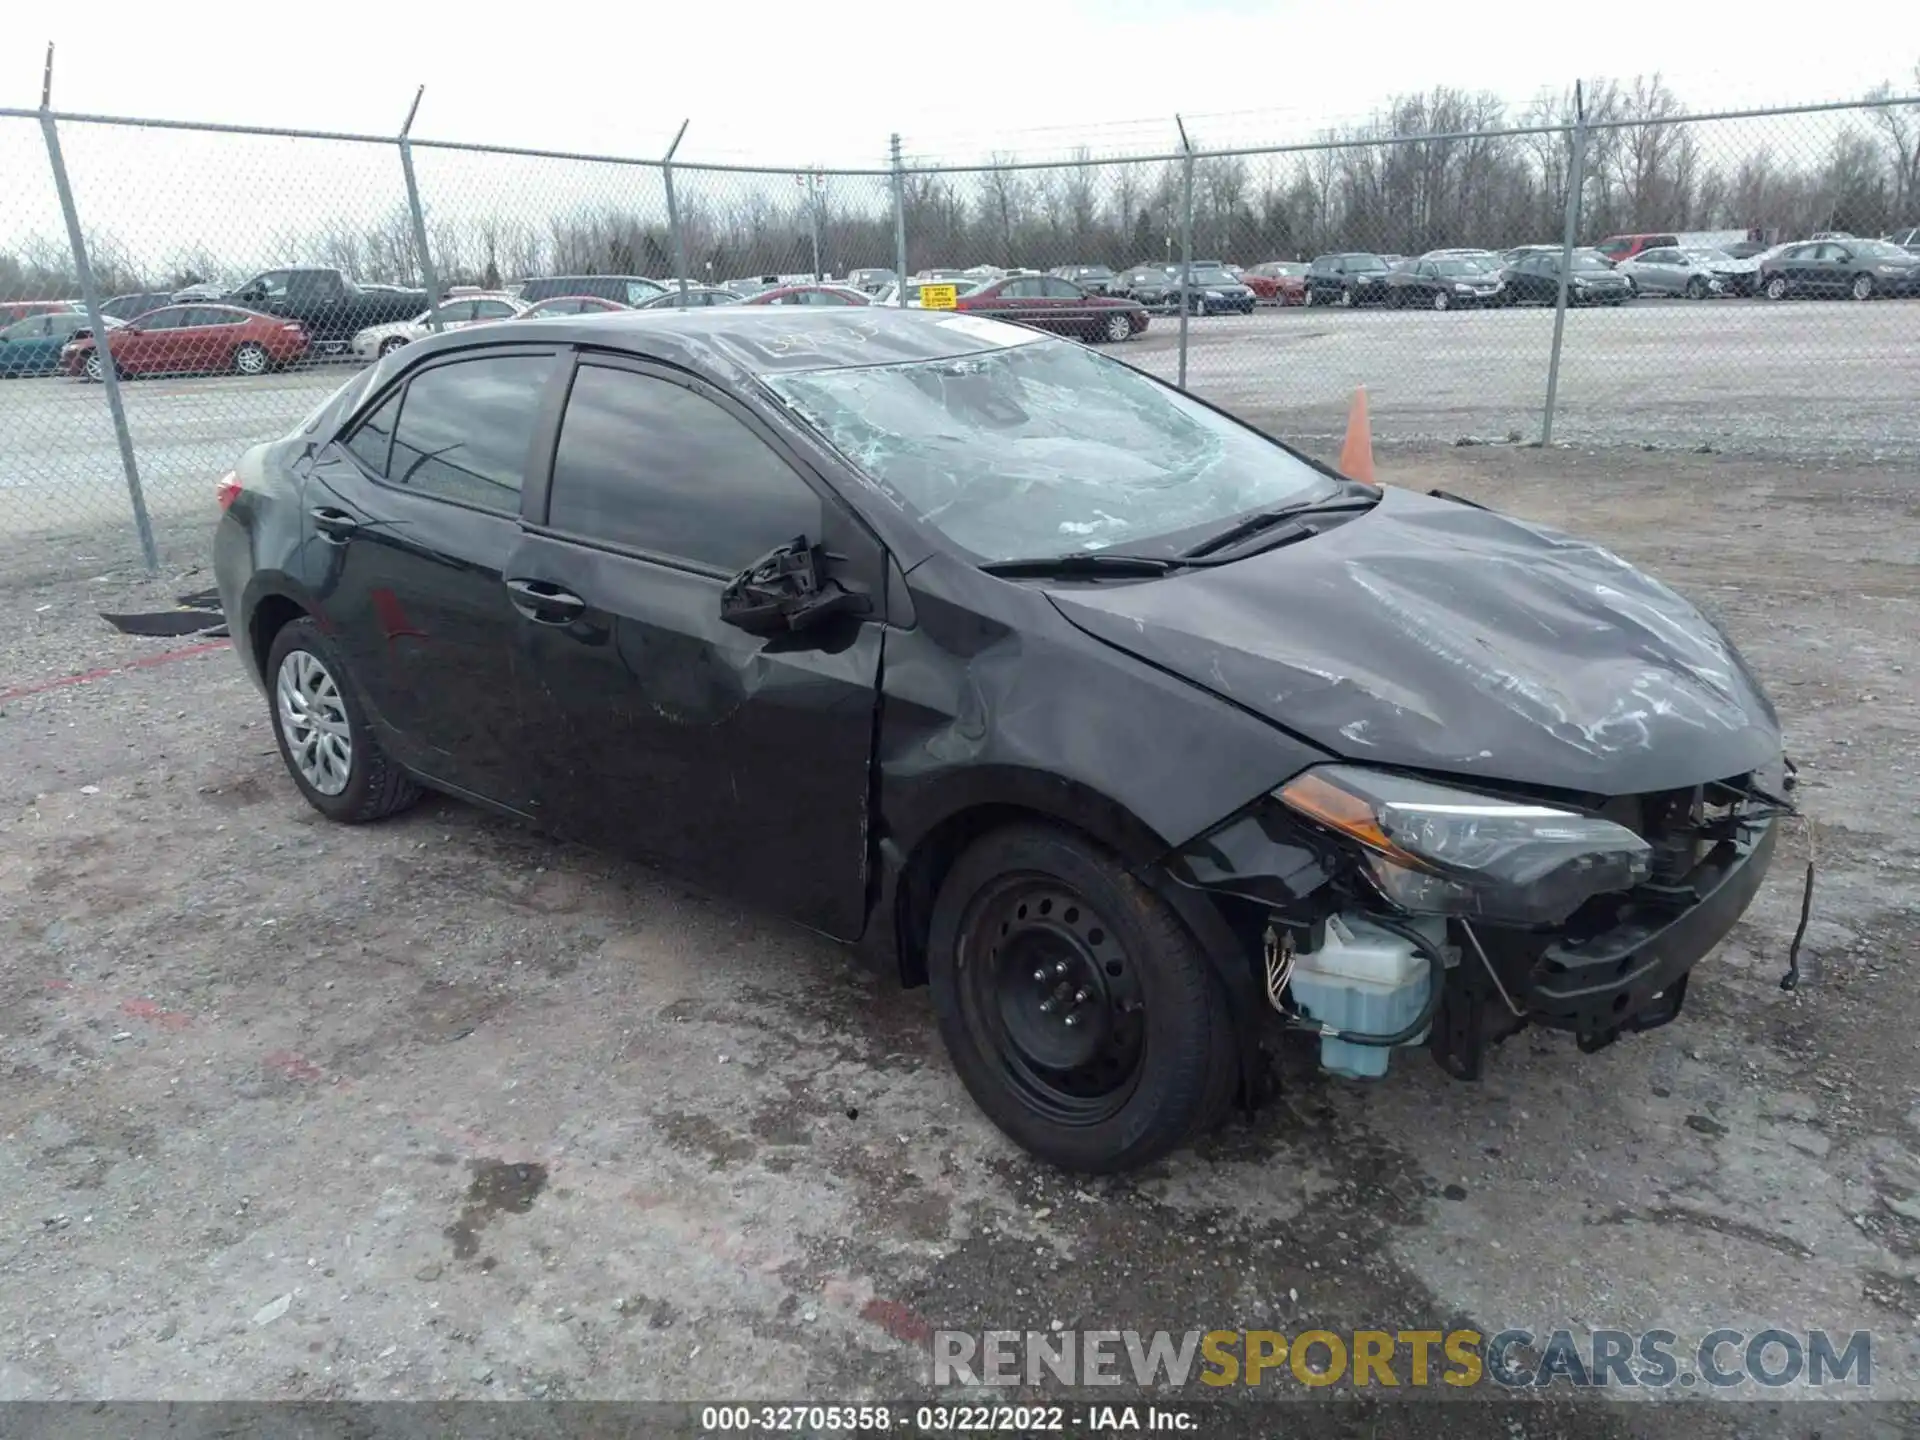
{"type": "Point", "coordinates": [436, 1108]}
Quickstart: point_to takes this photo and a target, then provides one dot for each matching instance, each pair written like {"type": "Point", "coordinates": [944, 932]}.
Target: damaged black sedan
{"type": "Point", "coordinates": [1130, 731]}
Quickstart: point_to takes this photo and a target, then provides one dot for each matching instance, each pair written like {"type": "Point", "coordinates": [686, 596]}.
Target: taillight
{"type": "Point", "coordinates": [228, 490]}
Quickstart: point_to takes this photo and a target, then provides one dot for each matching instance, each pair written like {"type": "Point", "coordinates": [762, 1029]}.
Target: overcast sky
{"type": "Point", "coordinates": [825, 83]}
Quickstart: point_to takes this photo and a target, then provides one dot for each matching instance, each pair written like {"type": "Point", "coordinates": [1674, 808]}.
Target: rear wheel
{"type": "Point", "coordinates": [323, 734]}
{"type": "Point", "coordinates": [1080, 1014]}
{"type": "Point", "coordinates": [251, 359]}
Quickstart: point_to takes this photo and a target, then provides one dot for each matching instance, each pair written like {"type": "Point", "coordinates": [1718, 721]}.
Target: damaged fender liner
{"type": "Point", "coordinates": [1601, 985]}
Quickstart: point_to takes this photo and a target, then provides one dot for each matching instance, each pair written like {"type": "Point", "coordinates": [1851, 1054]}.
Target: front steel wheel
{"type": "Point", "coordinates": [1080, 1014]}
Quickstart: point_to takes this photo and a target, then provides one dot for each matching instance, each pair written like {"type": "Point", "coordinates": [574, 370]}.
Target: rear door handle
{"type": "Point", "coordinates": [545, 603]}
{"type": "Point", "coordinates": [336, 525]}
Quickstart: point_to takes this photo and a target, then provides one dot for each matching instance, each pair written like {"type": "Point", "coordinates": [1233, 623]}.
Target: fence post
{"type": "Point", "coordinates": [1576, 182]}
{"type": "Point", "coordinates": [90, 297]}
{"type": "Point", "coordinates": [673, 216]}
{"type": "Point", "coordinates": [1186, 239]}
{"type": "Point", "coordinates": [899, 223]}
{"type": "Point", "coordinates": [419, 217]}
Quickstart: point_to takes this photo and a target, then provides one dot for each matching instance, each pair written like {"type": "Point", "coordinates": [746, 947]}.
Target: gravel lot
{"type": "Point", "coordinates": [497, 1118]}
{"type": "Point", "coordinates": [1799, 381]}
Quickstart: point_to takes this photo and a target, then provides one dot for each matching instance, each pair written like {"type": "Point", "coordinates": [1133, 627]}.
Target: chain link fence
{"type": "Point", "coordinates": [1610, 271]}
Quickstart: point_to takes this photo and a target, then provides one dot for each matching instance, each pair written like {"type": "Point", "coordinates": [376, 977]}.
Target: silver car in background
{"type": "Point", "coordinates": [1691, 271]}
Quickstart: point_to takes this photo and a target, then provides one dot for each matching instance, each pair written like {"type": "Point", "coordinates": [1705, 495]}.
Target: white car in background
{"type": "Point", "coordinates": [456, 313]}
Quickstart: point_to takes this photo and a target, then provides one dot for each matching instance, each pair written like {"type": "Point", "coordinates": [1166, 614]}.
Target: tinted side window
{"type": "Point", "coordinates": [465, 428]}
{"type": "Point", "coordinates": [649, 464]}
{"type": "Point", "coordinates": [372, 440]}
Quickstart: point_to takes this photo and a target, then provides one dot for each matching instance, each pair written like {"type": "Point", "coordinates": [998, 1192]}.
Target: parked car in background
{"type": "Point", "coordinates": [191, 339]}
{"type": "Point", "coordinates": [695, 297]}
{"type": "Point", "coordinates": [480, 309]}
{"type": "Point", "coordinates": [329, 308]}
{"type": "Point", "coordinates": [871, 278]}
{"type": "Point", "coordinates": [1210, 289]}
{"type": "Point", "coordinates": [626, 291]}
{"type": "Point", "coordinates": [1906, 239]}
{"type": "Point", "coordinates": [32, 346]}
{"type": "Point", "coordinates": [1616, 248]}
{"type": "Point", "coordinates": [810, 295]}
{"type": "Point", "coordinates": [571, 305]}
{"type": "Point", "coordinates": [12, 310]}
{"type": "Point", "coordinates": [1535, 276]}
{"type": "Point", "coordinates": [1094, 279]}
{"type": "Point", "coordinates": [135, 302]}
{"type": "Point", "coordinates": [1748, 249]}
{"type": "Point", "coordinates": [1277, 282]}
{"type": "Point", "coordinates": [1489, 258]}
{"type": "Point", "coordinates": [1696, 274]}
{"type": "Point", "coordinates": [1446, 282]}
{"type": "Point", "coordinates": [1129, 281]}
{"type": "Point", "coordinates": [1830, 269]}
{"type": "Point", "coordinates": [1047, 302]}
{"type": "Point", "coordinates": [1352, 277]}
{"type": "Point", "coordinates": [1507, 257]}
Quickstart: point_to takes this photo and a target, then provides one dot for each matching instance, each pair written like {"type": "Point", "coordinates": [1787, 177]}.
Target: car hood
{"type": "Point", "coordinates": [1434, 635]}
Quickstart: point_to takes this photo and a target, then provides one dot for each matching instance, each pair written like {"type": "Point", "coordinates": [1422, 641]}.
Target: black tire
{"type": "Point", "coordinates": [1441, 300]}
{"type": "Point", "coordinates": [1696, 289]}
{"type": "Point", "coordinates": [1119, 327]}
{"type": "Point", "coordinates": [376, 787]}
{"type": "Point", "coordinates": [93, 369]}
{"type": "Point", "coordinates": [1862, 287]}
{"type": "Point", "coordinates": [391, 344]}
{"type": "Point", "coordinates": [1776, 288]}
{"type": "Point", "coordinates": [251, 359]}
{"type": "Point", "coordinates": [1033, 919]}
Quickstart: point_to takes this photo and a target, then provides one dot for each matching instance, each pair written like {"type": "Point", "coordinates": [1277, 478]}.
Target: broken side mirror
{"type": "Point", "coordinates": [788, 589]}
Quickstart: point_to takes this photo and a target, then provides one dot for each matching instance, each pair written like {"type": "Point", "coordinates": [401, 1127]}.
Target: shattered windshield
{"type": "Point", "coordinates": [1042, 449]}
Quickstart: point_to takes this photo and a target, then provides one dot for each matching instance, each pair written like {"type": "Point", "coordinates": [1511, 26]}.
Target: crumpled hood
{"type": "Point", "coordinates": [1433, 635]}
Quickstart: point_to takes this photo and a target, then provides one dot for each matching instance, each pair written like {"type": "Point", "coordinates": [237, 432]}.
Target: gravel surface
{"type": "Point", "coordinates": [435, 1108]}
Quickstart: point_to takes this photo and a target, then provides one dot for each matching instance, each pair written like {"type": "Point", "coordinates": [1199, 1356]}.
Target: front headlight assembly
{"type": "Point", "coordinates": [1435, 850]}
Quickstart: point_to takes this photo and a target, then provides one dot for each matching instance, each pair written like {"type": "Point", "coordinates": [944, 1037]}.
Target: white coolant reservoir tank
{"type": "Point", "coordinates": [1363, 979]}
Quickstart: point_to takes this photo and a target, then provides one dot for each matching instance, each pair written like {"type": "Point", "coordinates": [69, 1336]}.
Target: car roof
{"type": "Point", "coordinates": [752, 341]}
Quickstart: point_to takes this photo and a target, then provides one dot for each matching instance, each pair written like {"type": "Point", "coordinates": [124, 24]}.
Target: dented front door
{"type": "Point", "coordinates": [738, 762]}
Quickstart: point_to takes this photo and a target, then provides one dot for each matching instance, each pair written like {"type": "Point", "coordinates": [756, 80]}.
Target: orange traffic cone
{"type": "Point", "coordinates": [1356, 452]}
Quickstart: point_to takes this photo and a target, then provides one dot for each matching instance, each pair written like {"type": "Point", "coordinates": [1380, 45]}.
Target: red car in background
{"type": "Point", "coordinates": [809, 295]}
{"type": "Point", "coordinates": [570, 305]}
{"type": "Point", "coordinates": [12, 310]}
{"type": "Point", "coordinates": [1278, 282]}
{"type": "Point", "coordinates": [184, 339]}
{"type": "Point", "coordinates": [1047, 302]}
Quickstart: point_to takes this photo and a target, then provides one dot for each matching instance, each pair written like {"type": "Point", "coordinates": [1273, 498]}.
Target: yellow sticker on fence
{"type": "Point", "coordinates": [939, 297]}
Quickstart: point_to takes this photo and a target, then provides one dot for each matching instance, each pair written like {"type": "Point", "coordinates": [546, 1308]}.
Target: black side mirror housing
{"type": "Point", "coordinates": [786, 590]}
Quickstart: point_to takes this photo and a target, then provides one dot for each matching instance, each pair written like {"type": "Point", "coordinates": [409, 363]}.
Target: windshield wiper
{"type": "Point", "coordinates": [1090, 562]}
{"type": "Point", "coordinates": [1346, 501]}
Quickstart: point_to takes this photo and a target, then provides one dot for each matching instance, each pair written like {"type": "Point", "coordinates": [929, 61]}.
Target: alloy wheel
{"type": "Point", "coordinates": [250, 359]}
{"type": "Point", "coordinates": [313, 718]}
{"type": "Point", "coordinates": [1119, 327]}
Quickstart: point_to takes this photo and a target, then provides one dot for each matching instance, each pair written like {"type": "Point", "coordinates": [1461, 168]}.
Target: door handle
{"type": "Point", "coordinates": [336, 525]}
{"type": "Point", "coordinates": [545, 603]}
